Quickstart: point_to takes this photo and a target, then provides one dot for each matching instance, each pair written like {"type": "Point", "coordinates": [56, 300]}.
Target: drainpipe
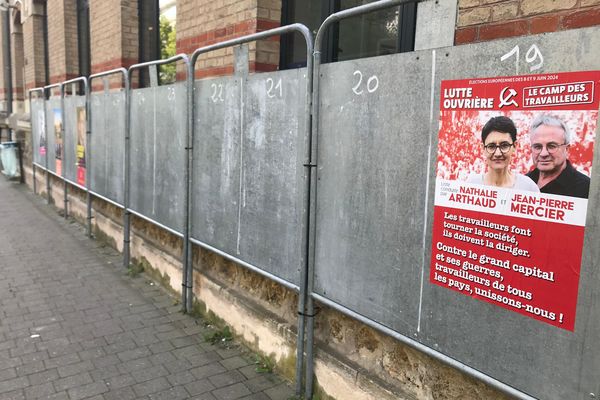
{"type": "Point", "coordinates": [46, 61]}
{"type": "Point", "coordinates": [7, 66]}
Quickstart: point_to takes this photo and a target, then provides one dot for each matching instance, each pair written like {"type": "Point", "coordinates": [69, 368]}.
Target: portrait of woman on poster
{"type": "Point", "coordinates": [498, 137]}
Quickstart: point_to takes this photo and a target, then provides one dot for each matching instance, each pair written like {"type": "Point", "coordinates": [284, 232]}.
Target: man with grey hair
{"type": "Point", "coordinates": [550, 141]}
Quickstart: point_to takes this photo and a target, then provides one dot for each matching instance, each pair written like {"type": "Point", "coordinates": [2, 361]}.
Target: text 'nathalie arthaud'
{"type": "Point", "coordinates": [522, 204]}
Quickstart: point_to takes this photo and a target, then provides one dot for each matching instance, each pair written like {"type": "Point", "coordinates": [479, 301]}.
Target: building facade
{"type": "Point", "coordinates": [50, 41]}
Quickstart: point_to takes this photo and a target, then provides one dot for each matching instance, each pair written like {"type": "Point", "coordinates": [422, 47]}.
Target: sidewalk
{"type": "Point", "coordinates": [74, 326]}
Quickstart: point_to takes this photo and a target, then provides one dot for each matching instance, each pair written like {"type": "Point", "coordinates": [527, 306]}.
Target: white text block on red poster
{"type": "Point", "coordinates": [514, 161]}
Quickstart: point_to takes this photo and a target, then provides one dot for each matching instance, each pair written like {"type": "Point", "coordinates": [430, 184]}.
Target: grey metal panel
{"type": "Point", "coordinates": [372, 156]}
{"type": "Point", "coordinates": [270, 230]}
{"type": "Point", "coordinates": [71, 103]}
{"type": "Point", "coordinates": [249, 144]}
{"type": "Point", "coordinates": [158, 137]}
{"type": "Point", "coordinates": [216, 175]}
{"type": "Point", "coordinates": [69, 137]}
{"type": "Point", "coordinates": [52, 104]}
{"type": "Point", "coordinates": [38, 128]}
{"type": "Point", "coordinates": [439, 29]}
{"type": "Point", "coordinates": [534, 357]}
{"type": "Point", "coordinates": [370, 245]}
{"type": "Point", "coordinates": [108, 141]}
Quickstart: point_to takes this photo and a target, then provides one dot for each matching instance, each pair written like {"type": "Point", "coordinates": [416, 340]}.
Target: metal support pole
{"type": "Point", "coordinates": [20, 153]}
{"type": "Point", "coordinates": [88, 158]}
{"type": "Point", "coordinates": [187, 245]}
{"type": "Point", "coordinates": [47, 150]}
{"type": "Point", "coordinates": [7, 67]}
{"type": "Point", "coordinates": [48, 92]}
{"type": "Point", "coordinates": [310, 164]}
{"type": "Point", "coordinates": [127, 150]}
{"type": "Point", "coordinates": [126, 213]}
{"type": "Point", "coordinates": [34, 179]}
{"type": "Point", "coordinates": [63, 154]}
{"type": "Point", "coordinates": [310, 245]}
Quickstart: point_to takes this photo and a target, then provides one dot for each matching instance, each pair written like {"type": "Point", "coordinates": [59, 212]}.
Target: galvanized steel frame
{"type": "Point", "coordinates": [127, 209]}
{"type": "Point", "coordinates": [501, 386]}
{"type": "Point", "coordinates": [302, 298]}
{"type": "Point", "coordinates": [306, 294]}
{"type": "Point", "coordinates": [126, 222]}
{"type": "Point", "coordinates": [33, 163]}
{"type": "Point", "coordinates": [84, 81]}
{"type": "Point", "coordinates": [48, 172]}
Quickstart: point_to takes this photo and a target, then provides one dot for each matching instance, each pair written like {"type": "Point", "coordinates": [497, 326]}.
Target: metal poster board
{"type": "Point", "coordinates": [74, 133]}
{"type": "Point", "coordinates": [80, 144]}
{"type": "Point", "coordinates": [500, 280]}
{"type": "Point", "coordinates": [38, 127]}
{"type": "Point", "coordinates": [108, 132]}
{"type": "Point", "coordinates": [53, 121]}
{"type": "Point", "coordinates": [372, 172]}
{"type": "Point", "coordinates": [57, 124]}
{"type": "Point", "coordinates": [158, 158]}
{"type": "Point", "coordinates": [247, 168]}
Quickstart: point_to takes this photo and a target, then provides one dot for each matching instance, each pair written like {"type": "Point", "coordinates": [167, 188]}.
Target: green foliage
{"type": "Point", "coordinates": [263, 364]}
{"type": "Point", "coordinates": [220, 336]}
{"type": "Point", "coordinates": [198, 310]}
{"type": "Point", "coordinates": [135, 270]}
{"type": "Point", "coordinates": [167, 49]}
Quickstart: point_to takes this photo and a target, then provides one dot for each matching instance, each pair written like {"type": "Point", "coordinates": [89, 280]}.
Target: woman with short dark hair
{"type": "Point", "coordinates": [499, 136]}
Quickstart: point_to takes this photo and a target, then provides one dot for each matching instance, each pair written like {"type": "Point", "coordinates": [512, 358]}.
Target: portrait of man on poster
{"type": "Point", "coordinates": [550, 140]}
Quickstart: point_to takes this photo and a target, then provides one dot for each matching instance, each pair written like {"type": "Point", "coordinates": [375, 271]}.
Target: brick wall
{"type": "Point", "coordinates": [63, 54]}
{"type": "Point", "coordinates": [482, 20]}
{"type": "Point", "coordinates": [114, 34]}
{"type": "Point", "coordinates": [33, 46]}
{"type": "Point", "coordinates": [3, 79]}
{"type": "Point", "coordinates": [204, 22]}
{"type": "Point", "coordinates": [18, 58]}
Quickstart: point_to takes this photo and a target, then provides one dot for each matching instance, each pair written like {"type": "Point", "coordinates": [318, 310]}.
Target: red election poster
{"type": "Point", "coordinates": [80, 149]}
{"type": "Point", "coordinates": [514, 161]}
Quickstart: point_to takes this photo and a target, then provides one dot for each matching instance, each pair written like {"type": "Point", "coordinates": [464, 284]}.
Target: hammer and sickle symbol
{"type": "Point", "coordinates": [506, 99]}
